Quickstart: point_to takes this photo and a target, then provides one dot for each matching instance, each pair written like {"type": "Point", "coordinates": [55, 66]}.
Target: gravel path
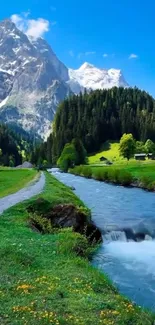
{"type": "Point", "coordinates": [22, 195]}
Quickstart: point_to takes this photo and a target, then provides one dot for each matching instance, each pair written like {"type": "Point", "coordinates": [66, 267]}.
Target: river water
{"type": "Point", "coordinates": [129, 264]}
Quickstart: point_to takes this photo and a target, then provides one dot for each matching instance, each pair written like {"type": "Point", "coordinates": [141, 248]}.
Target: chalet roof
{"type": "Point", "coordinates": [140, 155]}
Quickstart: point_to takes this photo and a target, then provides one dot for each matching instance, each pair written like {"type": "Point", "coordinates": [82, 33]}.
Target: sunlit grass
{"type": "Point", "coordinates": [13, 180]}
{"type": "Point", "coordinates": [111, 153]}
{"type": "Point", "coordinates": [43, 280]}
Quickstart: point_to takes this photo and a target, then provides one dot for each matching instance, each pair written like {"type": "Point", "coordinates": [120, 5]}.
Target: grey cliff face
{"type": "Point", "coordinates": [32, 80]}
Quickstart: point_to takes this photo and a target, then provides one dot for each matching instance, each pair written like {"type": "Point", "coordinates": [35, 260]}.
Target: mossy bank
{"type": "Point", "coordinates": [44, 278]}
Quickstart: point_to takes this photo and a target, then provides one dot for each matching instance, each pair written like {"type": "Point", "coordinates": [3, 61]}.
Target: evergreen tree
{"type": "Point", "coordinates": [103, 115]}
{"type": "Point", "coordinates": [81, 151]}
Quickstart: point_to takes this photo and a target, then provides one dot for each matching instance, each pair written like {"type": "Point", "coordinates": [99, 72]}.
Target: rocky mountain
{"type": "Point", "coordinates": [33, 81]}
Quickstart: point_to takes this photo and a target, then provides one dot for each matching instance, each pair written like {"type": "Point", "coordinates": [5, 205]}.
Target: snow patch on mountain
{"type": "Point", "coordinates": [90, 77]}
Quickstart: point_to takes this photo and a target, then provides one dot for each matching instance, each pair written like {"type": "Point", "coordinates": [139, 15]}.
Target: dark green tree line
{"type": "Point", "coordinates": [101, 115]}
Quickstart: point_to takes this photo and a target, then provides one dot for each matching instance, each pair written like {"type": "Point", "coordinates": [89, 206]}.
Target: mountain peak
{"type": "Point", "coordinates": [90, 77]}
{"type": "Point", "coordinates": [8, 24]}
{"type": "Point", "coordinates": [86, 65]}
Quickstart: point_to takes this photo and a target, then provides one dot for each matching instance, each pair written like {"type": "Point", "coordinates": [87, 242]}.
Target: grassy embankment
{"type": "Point", "coordinates": [137, 173]}
{"type": "Point", "coordinates": [12, 181]}
{"type": "Point", "coordinates": [44, 281]}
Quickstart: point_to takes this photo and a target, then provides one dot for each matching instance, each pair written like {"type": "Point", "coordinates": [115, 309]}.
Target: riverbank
{"type": "Point", "coordinates": [135, 175]}
{"type": "Point", "coordinates": [12, 180]}
{"type": "Point", "coordinates": [44, 278]}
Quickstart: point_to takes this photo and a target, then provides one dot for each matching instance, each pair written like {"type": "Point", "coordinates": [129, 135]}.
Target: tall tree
{"type": "Point", "coordinates": [127, 146]}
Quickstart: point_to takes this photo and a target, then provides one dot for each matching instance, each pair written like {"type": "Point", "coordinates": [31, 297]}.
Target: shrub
{"type": "Point", "coordinates": [87, 171]}
{"type": "Point", "coordinates": [70, 242]}
{"type": "Point", "coordinates": [76, 170]}
{"type": "Point", "coordinates": [147, 183]}
{"type": "Point", "coordinates": [41, 224]}
{"type": "Point", "coordinates": [125, 178]}
{"type": "Point", "coordinates": [107, 174]}
{"type": "Point", "coordinates": [97, 174]}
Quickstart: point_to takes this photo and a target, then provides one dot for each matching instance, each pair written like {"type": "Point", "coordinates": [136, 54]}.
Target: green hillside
{"type": "Point", "coordinates": [110, 151]}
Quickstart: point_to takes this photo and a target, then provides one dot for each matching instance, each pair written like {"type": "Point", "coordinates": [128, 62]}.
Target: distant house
{"type": "Point", "coordinates": [140, 156]}
{"type": "Point", "coordinates": [103, 158]}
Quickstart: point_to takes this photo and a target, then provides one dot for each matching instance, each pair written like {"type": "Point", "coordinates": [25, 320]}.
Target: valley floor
{"type": "Point", "coordinates": [12, 180]}
{"type": "Point", "coordinates": [43, 280]}
{"type": "Point", "coordinates": [136, 173]}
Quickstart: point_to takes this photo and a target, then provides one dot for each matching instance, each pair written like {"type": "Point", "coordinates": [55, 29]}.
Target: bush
{"type": "Point", "coordinates": [147, 183]}
{"type": "Point", "coordinates": [70, 242]}
{"type": "Point", "coordinates": [41, 224]}
{"type": "Point", "coordinates": [76, 170]}
{"type": "Point", "coordinates": [125, 178]}
{"type": "Point", "coordinates": [107, 174]}
{"type": "Point", "coordinates": [98, 174]}
{"type": "Point", "coordinates": [87, 171]}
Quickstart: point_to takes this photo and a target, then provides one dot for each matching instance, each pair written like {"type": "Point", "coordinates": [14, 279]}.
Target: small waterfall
{"type": "Point", "coordinates": [148, 237]}
{"type": "Point", "coordinates": [115, 236]}
{"type": "Point", "coordinates": [125, 236]}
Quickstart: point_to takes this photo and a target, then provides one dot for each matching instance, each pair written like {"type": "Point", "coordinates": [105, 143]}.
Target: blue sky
{"type": "Point", "coordinates": [104, 33]}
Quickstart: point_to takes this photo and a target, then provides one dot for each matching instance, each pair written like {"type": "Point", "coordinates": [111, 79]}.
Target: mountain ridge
{"type": "Point", "coordinates": [33, 81]}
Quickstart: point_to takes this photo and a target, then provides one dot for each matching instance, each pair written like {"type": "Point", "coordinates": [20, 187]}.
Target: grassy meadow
{"type": "Point", "coordinates": [43, 279]}
{"type": "Point", "coordinates": [136, 173]}
{"type": "Point", "coordinates": [12, 180]}
{"type": "Point", "coordinates": [110, 150]}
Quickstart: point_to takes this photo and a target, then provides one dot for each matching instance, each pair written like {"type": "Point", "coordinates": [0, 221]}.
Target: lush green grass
{"type": "Point", "coordinates": [44, 281]}
{"type": "Point", "coordinates": [12, 180]}
{"type": "Point", "coordinates": [141, 173]}
{"type": "Point", "coordinates": [110, 151]}
{"type": "Point", "coordinates": [137, 173]}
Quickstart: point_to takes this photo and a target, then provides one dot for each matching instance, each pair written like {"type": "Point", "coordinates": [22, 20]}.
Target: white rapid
{"type": "Point", "coordinates": [115, 236]}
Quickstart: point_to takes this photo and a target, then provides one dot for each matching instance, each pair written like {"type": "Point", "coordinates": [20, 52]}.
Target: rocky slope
{"type": "Point", "coordinates": [33, 81]}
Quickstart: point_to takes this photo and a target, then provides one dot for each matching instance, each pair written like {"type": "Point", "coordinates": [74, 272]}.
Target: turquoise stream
{"type": "Point", "coordinates": [129, 264]}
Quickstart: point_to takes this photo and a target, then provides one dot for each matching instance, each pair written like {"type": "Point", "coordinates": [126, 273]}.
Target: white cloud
{"type": "Point", "coordinates": [105, 55]}
{"type": "Point", "coordinates": [82, 54]}
{"type": "Point", "coordinates": [71, 53]}
{"type": "Point", "coordinates": [90, 53]}
{"type": "Point", "coordinates": [31, 27]}
{"type": "Point", "coordinates": [133, 56]}
{"type": "Point", "coordinates": [37, 28]}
